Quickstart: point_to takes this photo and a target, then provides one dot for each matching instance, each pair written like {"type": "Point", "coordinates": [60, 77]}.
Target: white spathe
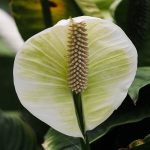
{"type": "Point", "coordinates": [40, 74]}
{"type": "Point", "coordinates": [9, 32]}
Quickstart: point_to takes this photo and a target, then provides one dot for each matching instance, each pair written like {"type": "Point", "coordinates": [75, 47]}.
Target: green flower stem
{"type": "Point", "coordinates": [80, 116]}
{"type": "Point", "coordinates": [46, 13]}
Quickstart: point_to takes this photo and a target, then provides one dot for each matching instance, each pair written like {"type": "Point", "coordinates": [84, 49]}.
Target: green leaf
{"type": "Point", "coordinates": [29, 17]}
{"type": "Point", "coordinates": [39, 127]}
{"type": "Point", "coordinates": [55, 140]}
{"type": "Point", "coordinates": [134, 18]}
{"type": "Point", "coordinates": [142, 79]}
{"type": "Point", "coordinates": [103, 4]}
{"type": "Point", "coordinates": [41, 71]}
{"type": "Point", "coordinates": [15, 134]}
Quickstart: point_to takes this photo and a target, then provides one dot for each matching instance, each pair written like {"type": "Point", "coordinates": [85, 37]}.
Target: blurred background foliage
{"type": "Point", "coordinates": [3, 47]}
{"type": "Point", "coordinates": [127, 128]}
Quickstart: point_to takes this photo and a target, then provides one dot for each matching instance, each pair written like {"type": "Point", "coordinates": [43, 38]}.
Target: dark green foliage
{"type": "Point", "coordinates": [134, 18]}
{"type": "Point", "coordinates": [15, 134]}
{"type": "Point", "coordinates": [53, 140]}
{"type": "Point", "coordinates": [142, 79]}
{"type": "Point", "coordinates": [39, 127]}
{"type": "Point", "coordinates": [122, 136]}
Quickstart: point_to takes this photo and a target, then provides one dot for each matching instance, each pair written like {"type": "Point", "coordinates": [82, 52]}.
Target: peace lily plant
{"type": "Point", "coordinates": [74, 75]}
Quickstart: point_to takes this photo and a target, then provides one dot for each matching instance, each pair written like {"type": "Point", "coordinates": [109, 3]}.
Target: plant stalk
{"type": "Point", "coordinates": [80, 117]}
{"type": "Point", "coordinates": [46, 13]}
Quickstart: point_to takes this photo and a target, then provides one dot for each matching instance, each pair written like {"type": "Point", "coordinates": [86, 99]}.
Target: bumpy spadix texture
{"type": "Point", "coordinates": [41, 74]}
{"type": "Point", "coordinates": [78, 56]}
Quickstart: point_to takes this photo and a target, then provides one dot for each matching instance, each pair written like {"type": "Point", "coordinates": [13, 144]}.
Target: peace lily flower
{"type": "Point", "coordinates": [85, 55]}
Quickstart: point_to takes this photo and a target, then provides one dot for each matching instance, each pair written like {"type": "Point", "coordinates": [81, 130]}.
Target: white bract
{"type": "Point", "coordinates": [40, 74]}
{"type": "Point", "coordinates": [9, 32]}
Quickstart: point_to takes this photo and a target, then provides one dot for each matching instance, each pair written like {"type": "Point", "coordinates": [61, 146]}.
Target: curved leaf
{"type": "Point", "coordinates": [142, 79]}
{"type": "Point", "coordinates": [40, 74]}
{"type": "Point", "coordinates": [29, 17]}
{"type": "Point", "coordinates": [55, 140]}
{"type": "Point", "coordinates": [15, 134]}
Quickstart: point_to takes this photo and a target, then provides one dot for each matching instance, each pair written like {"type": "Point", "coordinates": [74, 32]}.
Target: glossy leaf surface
{"type": "Point", "coordinates": [142, 79]}
{"type": "Point", "coordinates": [15, 134]}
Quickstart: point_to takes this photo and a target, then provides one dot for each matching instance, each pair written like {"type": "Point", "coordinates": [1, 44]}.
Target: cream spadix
{"type": "Point", "coordinates": [77, 56]}
{"type": "Point", "coordinates": [41, 71]}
